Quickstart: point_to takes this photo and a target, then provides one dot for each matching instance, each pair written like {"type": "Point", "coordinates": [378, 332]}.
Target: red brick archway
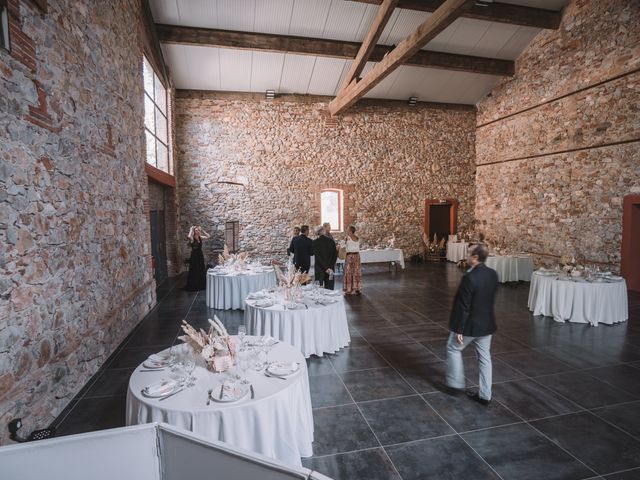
{"type": "Point", "coordinates": [630, 264]}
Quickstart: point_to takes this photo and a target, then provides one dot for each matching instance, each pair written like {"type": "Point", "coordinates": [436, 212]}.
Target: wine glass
{"type": "Point", "coordinates": [242, 333]}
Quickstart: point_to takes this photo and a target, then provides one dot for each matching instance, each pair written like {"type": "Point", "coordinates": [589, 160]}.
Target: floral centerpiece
{"type": "Point", "coordinates": [291, 281]}
{"type": "Point", "coordinates": [216, 347]}
{"type": "Point", "coordinates": [570, 267]}
{"type": "Point", "coordinates": [228, 259]}
{"type": "Point", "coordinates": [391, 243]}
{"type": "Point", "coordinates": [435, 248]}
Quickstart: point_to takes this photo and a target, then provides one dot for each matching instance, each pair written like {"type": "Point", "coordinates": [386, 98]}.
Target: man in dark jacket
{"type": "Point", "coordinates": [296, 234]}
{"type": "Point", "coordinates": [302, 250]}
{"type": "Point", "coordinates": [473, 321]}
{"type": "Point", "coordinates": [324, 249]}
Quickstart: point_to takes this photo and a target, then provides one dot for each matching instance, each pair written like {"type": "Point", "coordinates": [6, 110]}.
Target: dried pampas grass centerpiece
{"type": "Point", "coordinates": [227, 259]}
{"type": "Point", "coordinates": [216, 347]}
{"type": "Point", "coordinates": [292, 277]}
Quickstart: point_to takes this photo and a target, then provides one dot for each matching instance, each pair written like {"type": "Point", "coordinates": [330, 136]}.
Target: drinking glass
{"type": "Point", "coordinates": [242, 333]}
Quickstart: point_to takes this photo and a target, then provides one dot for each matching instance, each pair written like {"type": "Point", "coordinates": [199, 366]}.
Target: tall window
{"type": "Point", "coordinates": [331, 208]}
{"type": "Point", "coordinates": [155, 119]}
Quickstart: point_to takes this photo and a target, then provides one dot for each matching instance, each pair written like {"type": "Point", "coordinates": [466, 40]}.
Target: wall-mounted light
{"type": "Point", "coordinates": [412, 101]}
{"type": "Point", "coordinates": [483, 3]}
{"type": "Point", "coordinates": [270, 94]}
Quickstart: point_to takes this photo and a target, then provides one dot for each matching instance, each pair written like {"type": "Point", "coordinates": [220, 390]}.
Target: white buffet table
{"type": "Point", "coordinates": [577, 300]}
{"type": "Point", "coordinates": [511, 268]}
{"type": "Point", "coordinates": [226, 290]}
{"type": "Point", "coordinates": [315, 330]}
{"type": "Point", "coordinates": [277, 423]}
{"type": "Point", "coordinates": [457, 251]}
{"type": "Point", "coordinates": [394, 255]}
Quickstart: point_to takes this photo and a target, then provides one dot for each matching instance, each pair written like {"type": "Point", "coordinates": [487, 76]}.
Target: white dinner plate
{"type": "Point", "coordinates": [156, 361]}
{"type": "Point", "coordinates": [231, 392]}
{"type": "Point", "coordinates": [161, 389]}
{"type": "Point", "coordinates": [283, 369]}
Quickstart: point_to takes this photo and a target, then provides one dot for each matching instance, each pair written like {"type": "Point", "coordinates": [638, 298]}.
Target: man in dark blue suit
{"type": "Point", "coordinates": [472, 320]}
{"type": "Point", "coordinates": [302, 250]}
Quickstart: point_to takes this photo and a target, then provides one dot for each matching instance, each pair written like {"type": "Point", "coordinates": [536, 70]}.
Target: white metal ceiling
{"type": "Point", "coordinates": [205, 68]}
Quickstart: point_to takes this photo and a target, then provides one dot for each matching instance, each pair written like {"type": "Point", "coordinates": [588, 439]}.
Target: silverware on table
{"type": "Point", "coordinates": [209, 396]}
{"type": "Point", "coordinates": [221, 388]}
{"type": "Point", "coordinates": [152, 370]}
{"type": "Point", "coordinates": [253, 393]}
{"type": "Point", "coordinates": [274, 376]}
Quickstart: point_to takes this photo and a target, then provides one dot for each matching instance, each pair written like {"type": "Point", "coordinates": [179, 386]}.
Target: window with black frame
{"type": "Point", "coordinates": [4, 25]}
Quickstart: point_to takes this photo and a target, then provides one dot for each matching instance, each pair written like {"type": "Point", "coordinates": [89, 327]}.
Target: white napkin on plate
{"type": "Point", "coordinates": [161, 388]}
{"type": "Point", "coordinates": [283, 369]}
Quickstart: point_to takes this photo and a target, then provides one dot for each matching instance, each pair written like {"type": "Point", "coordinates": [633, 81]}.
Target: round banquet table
{"type": "Point", "coordinates": [228, 291]}
{"type": "Point", "coordinates": [277, 423]}
{"type": "Point", "coordinates": [315, 330]}
{"type": "Point", "coordinates": [457, 251]}
{"type": "Point", "coordinates": [511, 268]}
{"type": "Point", "coordinates": [578, 300]}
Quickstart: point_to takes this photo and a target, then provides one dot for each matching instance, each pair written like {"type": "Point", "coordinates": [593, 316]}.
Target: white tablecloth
{"type": "Point", "coordinates": [314, 331]}
{"type": "Point", "coordinates": [511, 268]}
{"type": "Point", "coordinates": [278, 423]}
{"type": "Point", "coordinates": [381, 256]}
{"type": "Point", "coordinates": [580, 302]}
{"type": "Point", "coordinates": [227, 292]}
{"type": "Point", "coordinates": [457, 251]}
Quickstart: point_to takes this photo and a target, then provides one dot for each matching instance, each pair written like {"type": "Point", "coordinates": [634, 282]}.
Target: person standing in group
{"type": "Point", "coordinates": [302, 250]}
{"type": "Point", "coordinates": [352, 283]}
{"type": "Point", "coordinates": [327, 230]}
{"type": "Point", "coordinates": [473, 320]}
{"type": "Point", "coordinates": [326, 254]}
{"type": "Point", "coordinates": [296, 234]}
{"type": "Point", "coordinates": [197, 277]}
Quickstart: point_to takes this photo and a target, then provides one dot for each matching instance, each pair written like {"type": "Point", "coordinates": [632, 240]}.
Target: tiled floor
{"type": "Point", "coordinates": [566, 396]}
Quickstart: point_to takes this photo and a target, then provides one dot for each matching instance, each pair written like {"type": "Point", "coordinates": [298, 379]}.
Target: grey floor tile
{"type": "Point", "coordinates": [357, 358]}
{"type": "Point", "coordinates": [376, 384]}
{"type": "Point", "coordinates": [366, 464]}
{"type": "Point", "coordinates": [625, 416]}
{"type": "Point", "coordinates": [328, 390]}
{"type": "Point", "coordinates": [341, 429]}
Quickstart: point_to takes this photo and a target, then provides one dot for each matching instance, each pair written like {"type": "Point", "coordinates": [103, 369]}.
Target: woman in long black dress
{"type": "Point", "coordinates": [197, 279]}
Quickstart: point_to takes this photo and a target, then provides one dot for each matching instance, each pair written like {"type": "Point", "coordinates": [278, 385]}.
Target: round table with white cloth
{"type": "Point", "coordinates": [511, 268]}
{"type": "Point", "coordinates": [457, 251]}
{"type": "Point", "coordinates": [578, 300]}
{"type": "Point", "coordinates": [277, 423]}
{"type": "Point", "coordinates": [315, 328]}
{"type": "Point", "coordinates": [226, 290]}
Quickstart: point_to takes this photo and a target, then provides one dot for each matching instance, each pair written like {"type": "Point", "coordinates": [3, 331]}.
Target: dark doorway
{"type": "Point", "coordinates": [440, 218]}
{"type": "Point", "coordinates": [158, 245]}
{"type": "Point", "coordinates": [630, 265]}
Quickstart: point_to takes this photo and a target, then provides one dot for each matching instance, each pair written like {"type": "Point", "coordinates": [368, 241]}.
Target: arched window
{"type": "Point", "coordinates": [331, 206]}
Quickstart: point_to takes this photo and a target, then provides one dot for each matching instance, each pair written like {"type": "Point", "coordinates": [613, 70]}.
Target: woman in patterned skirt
{"type": "Point", "coordinates": [352, 268]}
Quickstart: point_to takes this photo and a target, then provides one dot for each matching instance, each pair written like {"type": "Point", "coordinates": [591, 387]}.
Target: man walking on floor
{"type": "Point", "coordinates": [473, 321]}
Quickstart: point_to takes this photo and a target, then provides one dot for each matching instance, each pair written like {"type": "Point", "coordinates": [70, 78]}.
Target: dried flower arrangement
{"type": "Point", "coordinates": [227, 258]}
{"type": "Point", "coordinates": [216, 347]}
{"type": "Point", "coordinates": [292, 277]}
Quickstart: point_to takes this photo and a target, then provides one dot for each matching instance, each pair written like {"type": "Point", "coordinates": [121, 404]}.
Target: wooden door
{"type": "Point", "coordinates": [630, 264]}
{"type": "Point", "coordinates": [158, 245]}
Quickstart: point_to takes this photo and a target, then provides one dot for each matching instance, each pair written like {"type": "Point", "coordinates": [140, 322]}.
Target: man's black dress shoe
{"type": "Point", "coordinates": [474, 396]}
{"type": "Point", "coordinates": [444, 388]}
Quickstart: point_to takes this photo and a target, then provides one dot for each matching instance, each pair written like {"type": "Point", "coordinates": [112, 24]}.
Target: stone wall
{"type": "Point", "coordinates": [264, 163]}
{"type": "Point", "coordinates": [558, 145]}
{"type": "Point", "coordinates": [75, 275]}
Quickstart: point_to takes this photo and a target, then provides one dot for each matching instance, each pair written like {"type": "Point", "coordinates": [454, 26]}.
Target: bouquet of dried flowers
{"type": "Point", "coordinates": [216, 347]}
{"type": "Point", "coordinates": [227, 258]}
{"type": "Point", "coordinates": [292, 277]}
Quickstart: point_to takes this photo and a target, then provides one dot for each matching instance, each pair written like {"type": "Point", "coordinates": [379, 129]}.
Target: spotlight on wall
{"type": "Point", "coordinates": [412, 101]}
{"type": "Point", "coordinates": [270, 94]}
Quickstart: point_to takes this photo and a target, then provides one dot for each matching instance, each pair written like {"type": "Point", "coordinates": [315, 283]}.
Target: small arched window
{"type": "Point", "coordinates": [331, 209]}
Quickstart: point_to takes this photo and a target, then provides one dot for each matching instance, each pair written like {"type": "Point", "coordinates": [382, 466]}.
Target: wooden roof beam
{"type": "Point", "coordinates": [444, 16]}
{"type": "Point", "coordinates": [491, 12]}
{"type": "Point", "coordinates": [369, 43]}
{"type": "Point", "coordinates": [327, 48]}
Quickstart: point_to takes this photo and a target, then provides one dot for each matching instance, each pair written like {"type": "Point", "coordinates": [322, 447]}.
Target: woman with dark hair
{"type": "Point", "coordinates": [197, 278]}
{"type": "Point", "coordinates": [352, 268]}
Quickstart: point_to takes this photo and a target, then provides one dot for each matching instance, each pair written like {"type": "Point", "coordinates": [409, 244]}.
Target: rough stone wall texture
{"type": "Point", "coordinates": [558, 145]}
{"type": "Point", "coordinates": [276, 157]}
{"type": "Point", "coordinates": [75, 276]}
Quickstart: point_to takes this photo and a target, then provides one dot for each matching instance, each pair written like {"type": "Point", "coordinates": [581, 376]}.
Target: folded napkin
{"type": "Point", "coordinates": [265, 303]}
{"type": "Point", "coordinates": [283, 369]}
{"type": "Point", "coordinates": [256, 295]}
{"type": "Point", "coordinates": [160, 389]}
{"type": "Point", "coordinates": [232, 391]}
{"type": "Point", "coordinates": [326, 301]}
{"type": "Point", "coordinates": [296, 306]}
{"type": "Point", "coordinates": [156, 361]}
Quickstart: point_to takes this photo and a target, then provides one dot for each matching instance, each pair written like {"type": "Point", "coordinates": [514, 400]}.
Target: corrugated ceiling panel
{"type": "Point", "coordinates": [309, 17]}
{"type": "Point", "coordinates": [466, 36]}
{"type": "Point", "coordinates": [407, 22]}
{"type": "Point", "coordinates": [176, 59]}
{"type": "Point", "coordinates": [407, 82]}
{"type": "Point", "coordinates": [518, 42]}
{"type": "Point", "coordinates": [365, 24]}
{"type": "Point", "coordinates": [296, 73]}
{"type": "Point", "coordinates": [198, 13]}
{"type": "Point", "coordinates": [266, 71]}
{"type": "Point", "coordinates": [165, 11]}
{"type": "Point", "coordinates": [326, 74]}
{"type": "Point", "coordinates": [204, 67]}
{"type": "Point", "coordinates": [384, 37]}
{"type": "Point", "coordinates": [235, 70]}
{"type": "Point", "coordinates": [381, 89]}
{"type": "Point", "coordinates": [433, 83]}
{"type": "Point", "coordinates": [493, 40]}
{"type": "Point", "coordinates": [344, 20]}
{"type": "Point", "coordinates": [273, 16]}
{"type": "Point", "coordinates": [345, 70]}
{"type": "Point", "coordinates": [466, 88]}
{"type": "Point", "coordinates": [443, 37]}
{"type": "Point", "coordinates": [236, 14]}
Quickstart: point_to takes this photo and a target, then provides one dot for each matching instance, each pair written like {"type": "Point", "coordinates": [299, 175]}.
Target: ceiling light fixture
{"type": "Point", "coordinates": [412, 101]}
{"type": "Point", "coordinates": [270, 94]}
